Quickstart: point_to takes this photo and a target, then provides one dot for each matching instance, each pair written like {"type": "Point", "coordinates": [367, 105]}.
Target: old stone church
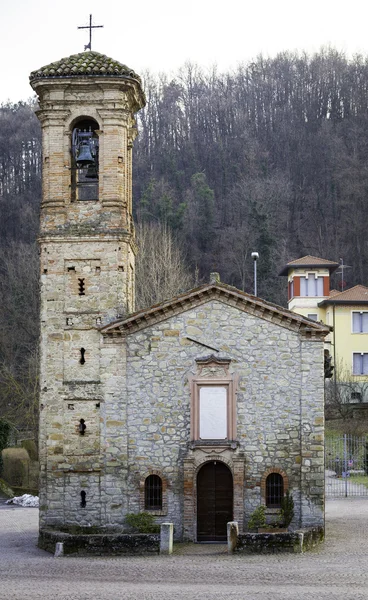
{"type": "Point", "coordinates": [198, 409]}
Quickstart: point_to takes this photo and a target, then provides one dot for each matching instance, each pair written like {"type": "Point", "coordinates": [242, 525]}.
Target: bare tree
{"type": "Point", "coordinates": [19, 330]}
{"type": "Point", "coordinates": [160, 271]}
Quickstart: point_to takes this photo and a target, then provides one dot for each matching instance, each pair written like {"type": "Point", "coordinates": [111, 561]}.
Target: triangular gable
{"type": "Point", "coordinates": [223, 293]}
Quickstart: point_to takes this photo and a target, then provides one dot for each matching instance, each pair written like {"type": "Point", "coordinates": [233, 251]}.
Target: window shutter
{"type": "Point", "coordinates": [319, 284]}
{"type": "Point", "coordinates": [303, 286]}
{"type": "Point", "coordinates": [356, 322]}
{"type": "Point", "coordinates": [357, 363]}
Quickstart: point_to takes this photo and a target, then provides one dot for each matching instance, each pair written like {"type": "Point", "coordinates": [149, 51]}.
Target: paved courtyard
{"type": "Point", "coordinates": [337, 570]}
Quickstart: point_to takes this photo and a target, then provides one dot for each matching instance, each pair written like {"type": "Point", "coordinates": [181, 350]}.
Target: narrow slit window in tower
{"type": "Point", "coordinates": [82, 360]}
{"type": "Point", "coordinates": [81, 286]}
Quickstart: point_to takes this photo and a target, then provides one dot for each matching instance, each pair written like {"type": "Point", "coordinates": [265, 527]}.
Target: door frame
{"type": "Point", "coordinates": [192, 463]}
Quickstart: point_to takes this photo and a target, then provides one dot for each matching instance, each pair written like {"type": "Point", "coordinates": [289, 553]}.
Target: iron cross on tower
{"type": "Point", "coordinates": [90, 27]}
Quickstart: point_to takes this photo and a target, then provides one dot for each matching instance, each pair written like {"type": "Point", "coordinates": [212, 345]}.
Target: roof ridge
{"type": "Point", "coordinates": [162, 309]}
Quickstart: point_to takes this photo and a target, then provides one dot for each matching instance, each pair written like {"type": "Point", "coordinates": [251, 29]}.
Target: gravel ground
{"type": "Point", "coordinates": [337, 570]}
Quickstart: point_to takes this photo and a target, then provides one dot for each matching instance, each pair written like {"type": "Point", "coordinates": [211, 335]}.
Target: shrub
{"type": "Point", "coordinates": [287, 509]}
{"type": "Point", "coordinates": [30, 446]}
{"type": "Point", "coordinates": [257, 518]}
{"type": "Point", "coordinates": [142, 522]}
{"type": "Point", "coordinates": [5, 428]}
{"type": "Point", "coordinates": [15, 466]}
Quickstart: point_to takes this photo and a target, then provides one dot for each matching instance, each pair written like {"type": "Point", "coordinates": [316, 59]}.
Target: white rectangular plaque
{"type": "Point", "coordinates": [213, 413]}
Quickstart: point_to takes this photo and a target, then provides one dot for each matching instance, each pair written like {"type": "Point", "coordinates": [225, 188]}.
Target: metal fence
{"type": "Point", "coordinates": [346, 462]}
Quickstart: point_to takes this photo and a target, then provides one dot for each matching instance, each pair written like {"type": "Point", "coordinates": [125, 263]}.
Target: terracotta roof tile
{"type": "Point", "coordinates": [85, 64]}
{"type": "Point", "coordinates": [357, 294]}
{"type": "Point", "coordinates": [309, 261]}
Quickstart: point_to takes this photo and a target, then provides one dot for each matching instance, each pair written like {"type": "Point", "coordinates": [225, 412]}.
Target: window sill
{"type": "Point", "coordinates": [218, 443]}
{"type": "Point", "coordinates": [156, 513]}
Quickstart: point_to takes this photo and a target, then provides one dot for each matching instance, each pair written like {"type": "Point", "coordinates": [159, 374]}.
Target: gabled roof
{"type": "Point", "coordinates": [355, 295]}
{"type": "Point", "coordinates": [309, 261]}
{"type": "Point", "coordinates": [84, 64]}
{"type": "Point", "coordinates": [223, 293]}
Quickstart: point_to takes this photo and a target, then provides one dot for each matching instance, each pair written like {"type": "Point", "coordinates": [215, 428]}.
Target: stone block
{"type": "Point", "coordinates": [166, 538]}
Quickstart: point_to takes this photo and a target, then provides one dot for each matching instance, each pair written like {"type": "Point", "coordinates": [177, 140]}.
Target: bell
{"type": "Point", "coordinates": [91, 172]}
{"type": "Point", "coordinates": [85, 156]}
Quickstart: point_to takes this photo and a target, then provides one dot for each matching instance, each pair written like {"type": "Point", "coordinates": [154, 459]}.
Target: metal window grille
{"type": "Point", "coordinates": [153, 493]}
{"type": "Point", "coordinates": [274, 490]}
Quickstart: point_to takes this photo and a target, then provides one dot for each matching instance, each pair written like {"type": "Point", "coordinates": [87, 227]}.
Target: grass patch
{"type": "Point", "coordinates": [360, 479]}
{"type": "Point", "coordinates": [6, 489]}
{"type": "Point", "coordinates": [19, 491]}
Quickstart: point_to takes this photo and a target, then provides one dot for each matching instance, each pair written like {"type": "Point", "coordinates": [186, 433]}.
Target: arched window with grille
{"type": "Point", "coordinates": [153, 493]}
{"type": "Point", "coordinates": [274, 490]}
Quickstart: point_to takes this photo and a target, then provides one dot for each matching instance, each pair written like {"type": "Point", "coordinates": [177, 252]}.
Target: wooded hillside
{"type": "Point", "coordinates": [272, 157]}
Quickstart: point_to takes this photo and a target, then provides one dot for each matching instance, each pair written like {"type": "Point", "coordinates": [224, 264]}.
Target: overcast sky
{"type": "Point", "coordinates": [161, 35]}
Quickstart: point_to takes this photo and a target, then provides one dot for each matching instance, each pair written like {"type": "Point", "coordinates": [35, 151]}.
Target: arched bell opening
{"type": "Point", "coordinates": [85, 165]}
{"type": "Point", "coordinates": [214, 501]}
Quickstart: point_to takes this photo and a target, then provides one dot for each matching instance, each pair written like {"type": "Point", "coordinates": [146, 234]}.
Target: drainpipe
{"type": "Point", "coordinates": [334, 348]}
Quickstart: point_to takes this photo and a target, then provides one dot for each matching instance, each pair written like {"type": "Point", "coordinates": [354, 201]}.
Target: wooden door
{"type": "Point", "coordinates": [214, 501]}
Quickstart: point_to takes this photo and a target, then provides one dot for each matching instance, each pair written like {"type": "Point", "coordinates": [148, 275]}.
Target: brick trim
{"type": "Point", "coordinates": [192, 465]}
{"type": "Point", "coordinates": [142, 482]}
{"type": "Point", "coordinates": [264, 477]}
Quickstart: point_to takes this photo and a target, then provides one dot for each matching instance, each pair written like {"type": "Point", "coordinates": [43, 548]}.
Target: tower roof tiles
{"type": "Point", "coordinates": [84, 64]}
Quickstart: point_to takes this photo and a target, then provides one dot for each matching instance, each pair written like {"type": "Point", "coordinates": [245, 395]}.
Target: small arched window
{"type": "Point", "coordinates": [153, 493]}
{"type": "Point", "coordinates": [274, 490]}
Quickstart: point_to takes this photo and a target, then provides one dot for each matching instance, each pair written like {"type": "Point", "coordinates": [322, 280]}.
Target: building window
{"type": "Point", "coordinates": [274, 485]}
{"type": "Point", "coordinates": [360, 363]}
{"type": "Point", "coordinates": [360, 322]}
{"type": "Point", "coordinates": [153, 493]}
{"type": "Point", "coordinates": [311, 285]}
{"type": "Point", "coordinates": [274, 490]}
{"type": "Point", "coordinates": [313, 316]}
{"type": "Point", "coordinates": [85, 167]}
{"type": "Point", "coordinates": [356, 397]}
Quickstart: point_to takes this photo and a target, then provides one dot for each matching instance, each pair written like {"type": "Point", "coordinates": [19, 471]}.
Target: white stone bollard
{"type": "Point", "coordinates": [166, 538]}
{"type": "Point", "coordinates": [59, 549]}
{"type": "Point", "coordinates": [232, 536]}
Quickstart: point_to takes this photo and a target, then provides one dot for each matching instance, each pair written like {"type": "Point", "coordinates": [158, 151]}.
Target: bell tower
{"type": "Point", "coordinates": [87, 106]}
{"type": "Point", "coordinates": [87, 252]}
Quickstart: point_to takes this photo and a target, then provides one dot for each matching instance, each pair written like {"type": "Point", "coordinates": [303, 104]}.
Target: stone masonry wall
{"type": "Point", "coordinates": [87, 252]}
{"type": "Point", "coordinates": [279, 404]}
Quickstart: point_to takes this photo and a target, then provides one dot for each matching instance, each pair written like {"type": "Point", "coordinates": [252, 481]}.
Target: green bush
{"type": "Point", "coordinates": [6, 490]}
{"type": "Point", "coordinates": [16, 466]}
{"type": "Point", "coordinates": [287, 509]}
{"type": "Point", "coordinates": [30, 446]}
{"type": "Point", "coordinates": [5, 428]}
{"type": "Point", "coordinates": [257, 518]}
{"type": "Point", "coordinates": [142, 522]}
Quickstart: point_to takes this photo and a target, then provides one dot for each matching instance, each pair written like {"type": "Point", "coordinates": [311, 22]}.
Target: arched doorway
{"type": "Point", "coordinates": [214, 501]}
